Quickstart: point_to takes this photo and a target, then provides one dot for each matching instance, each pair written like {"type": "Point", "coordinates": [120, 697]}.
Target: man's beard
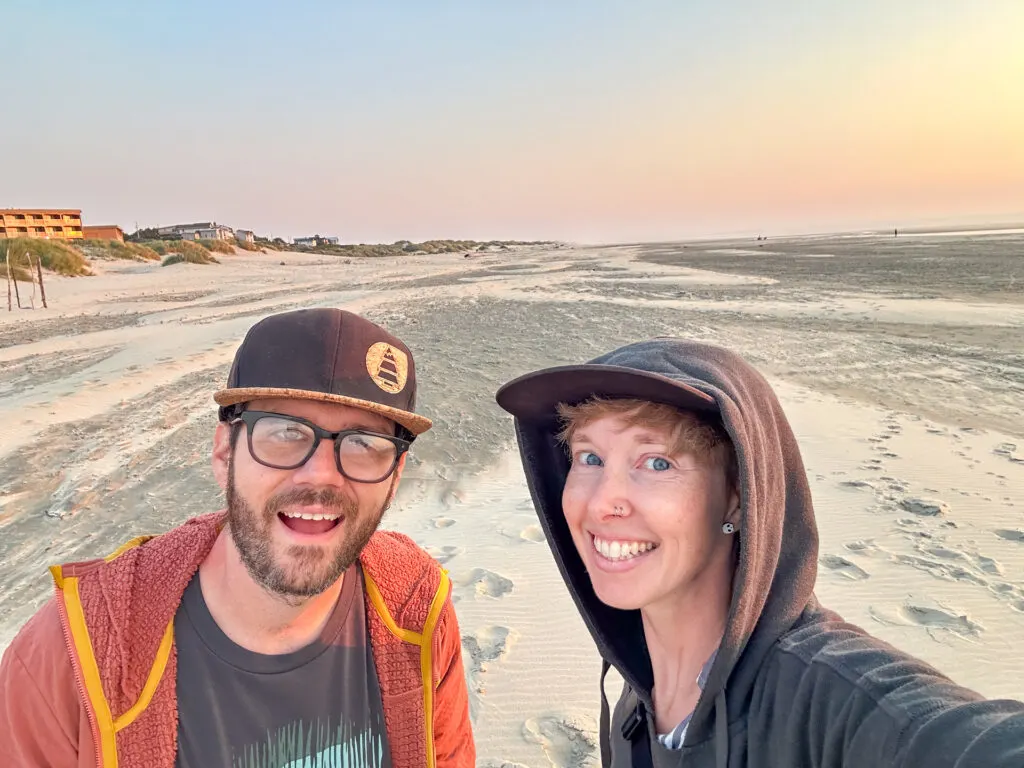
{"type": "Point", "coordinates": [312, 569]}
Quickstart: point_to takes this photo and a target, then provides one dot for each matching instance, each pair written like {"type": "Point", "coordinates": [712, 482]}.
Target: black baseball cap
{"type": "Point", "coordinates": [329, 355]}
{"type": "Point", "coordinates": [643, 371]}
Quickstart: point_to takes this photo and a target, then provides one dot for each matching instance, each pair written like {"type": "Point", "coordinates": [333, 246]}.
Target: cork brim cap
{"type": "Point", "coordinates": [412, 421]}
{"type": "Point", "coordinates": [330, 356]}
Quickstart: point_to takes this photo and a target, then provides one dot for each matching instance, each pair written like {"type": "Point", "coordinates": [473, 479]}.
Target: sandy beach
{"type": "Point", "coordinates": [899, 361]}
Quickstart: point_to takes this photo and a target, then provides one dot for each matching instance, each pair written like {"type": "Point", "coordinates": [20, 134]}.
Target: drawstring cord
{"type": "Point", "coordinates": [721, 731]}
{"type": "Point", "coordinates": [604, 737]}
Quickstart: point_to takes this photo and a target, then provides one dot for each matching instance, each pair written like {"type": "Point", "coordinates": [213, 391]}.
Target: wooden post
{"type": "Point", "coordinates": [7, 250]}
{"type": "Point", "coordinates": [14, 277]}
{"type": "Point", "coordinates": [39, 269]}
{"type": "Point", "coordinates": [32, 279]}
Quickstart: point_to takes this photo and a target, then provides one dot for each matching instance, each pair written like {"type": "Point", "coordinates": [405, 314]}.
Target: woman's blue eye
{"type": "Point", "coordinates": [657, 463]}
{"type": "Point", "coordinates": [589, 459]}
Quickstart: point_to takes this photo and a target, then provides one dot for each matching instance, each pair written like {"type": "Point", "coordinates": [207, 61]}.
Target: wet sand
{"type": "Point", "coordinates": [900, 362]}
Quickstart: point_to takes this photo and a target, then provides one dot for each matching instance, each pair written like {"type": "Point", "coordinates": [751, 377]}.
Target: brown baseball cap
{"type": "Point", "coordinates": [329, 355]}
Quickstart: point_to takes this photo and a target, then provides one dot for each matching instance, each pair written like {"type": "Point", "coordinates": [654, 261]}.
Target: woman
{"type": "Point", "coordinates": [675, 501]}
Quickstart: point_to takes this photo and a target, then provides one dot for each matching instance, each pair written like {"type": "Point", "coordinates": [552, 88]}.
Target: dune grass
{"type": "Point", "coordinates": [246, 246]}
{"type": "Point", "coordinates": [266, 244]}
{"type": "Point", "coordinates": [113, 249]}
{"type": "Point", "coordinates": [157, 246]}
{"type": "Point", "coordinates": [181, 251]}
{"type": "Point", "coordinates": [218, 246]}
{"type": "Point", "coordinates": [18, 272]}
{"type": "Point", "coordinates": [54, 255]}
{"type": "Point", "coordinates": [192, 253]}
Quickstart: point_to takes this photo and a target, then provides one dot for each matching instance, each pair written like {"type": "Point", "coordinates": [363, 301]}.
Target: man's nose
{"type": "Point", "coordinates": [321, 468]}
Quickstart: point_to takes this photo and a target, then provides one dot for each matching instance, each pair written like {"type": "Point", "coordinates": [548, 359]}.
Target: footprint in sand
{"type": "Point", "coordinates": [568, 742]}
{"type": "Point", "coordinates": [857, 484]}
{"type": "Point", "coordinates": [443, 522]}
{"type": "Point", "coordinates": [1011, 534]}
{"type": "Point", "coordinates": [484, 582]}
{"type": "Point", "coordinates": [862, 547]}
{"type": "Point", "coordinates": [894, 483]}
{"type": "Point", "coordinates": [989, 565]}
{"type": "Point", "coordinates": [940, 570]}
{"type": "Point", "coordinates": [944, 553]}
{"type": "Point", "coordinates": [532, 533]}
{"type": "Point", "coordinates": [931, 615]}
{"type": "Point", "coordinates": [925, 507]}
{"type": "Point", "coordinates": [444, 554]}
{"type": "Point", "coordinates": [489, 644]}
{"type": "Point", "coordinates": [844, 567]}
{"type": "Point", "coordinates": [1009, 450]}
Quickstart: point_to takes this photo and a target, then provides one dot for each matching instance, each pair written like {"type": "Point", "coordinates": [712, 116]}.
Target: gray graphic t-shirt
{"type": "Point", "coordinates": [318, 707]}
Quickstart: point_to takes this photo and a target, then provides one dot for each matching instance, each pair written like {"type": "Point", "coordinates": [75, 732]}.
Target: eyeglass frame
{"type": "Point", "coordinates": [249, 418]}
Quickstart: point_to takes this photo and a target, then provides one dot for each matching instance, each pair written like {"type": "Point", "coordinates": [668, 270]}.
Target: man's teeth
{"type": "Point", "coordinates": [621, 550]}
{"type": "Point", "coordinates": [307, 516]}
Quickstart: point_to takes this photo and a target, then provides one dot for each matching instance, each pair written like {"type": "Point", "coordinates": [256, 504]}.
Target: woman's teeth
{"type": "Point", "coordinates": [621, 550]}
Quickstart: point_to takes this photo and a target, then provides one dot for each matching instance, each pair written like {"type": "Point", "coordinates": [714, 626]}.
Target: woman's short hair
{"type": "Point", "coordinates": [689, 432]}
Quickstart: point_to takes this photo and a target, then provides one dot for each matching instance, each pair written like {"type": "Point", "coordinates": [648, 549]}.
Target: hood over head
{"type": "Point", "coordinates": [778, 538]}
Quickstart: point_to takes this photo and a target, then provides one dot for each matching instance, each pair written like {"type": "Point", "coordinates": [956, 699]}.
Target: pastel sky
{"type": "Point", "coordinates": [573, 119]}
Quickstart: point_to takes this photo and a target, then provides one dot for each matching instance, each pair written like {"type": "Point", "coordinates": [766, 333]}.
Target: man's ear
{"type": "Point", "coordinates": [221, 458]}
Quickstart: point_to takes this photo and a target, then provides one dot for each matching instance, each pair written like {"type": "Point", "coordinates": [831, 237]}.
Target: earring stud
{"type": "Point", "coordinates": [728, 528]}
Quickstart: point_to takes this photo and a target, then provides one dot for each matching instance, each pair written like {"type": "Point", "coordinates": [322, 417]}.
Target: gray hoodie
{"type": "Point", "coordinates": [792, 685]}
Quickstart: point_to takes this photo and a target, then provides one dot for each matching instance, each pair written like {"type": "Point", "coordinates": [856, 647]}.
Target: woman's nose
{"type": "Point", "coordinates": [611, 496]}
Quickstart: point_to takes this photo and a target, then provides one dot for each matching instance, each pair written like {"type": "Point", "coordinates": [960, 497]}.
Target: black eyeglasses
{"type": "Point", "coordinates": [287, 442]}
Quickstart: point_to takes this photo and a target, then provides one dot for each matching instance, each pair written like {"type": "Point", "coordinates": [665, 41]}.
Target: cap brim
{"type": "Point", "coordinates": [412, 421]}
{"type": "Point", "coordinates": [534, 396]}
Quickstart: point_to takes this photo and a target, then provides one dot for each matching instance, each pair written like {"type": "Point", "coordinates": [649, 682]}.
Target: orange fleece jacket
{"type": "Point", "coordinates": [128, 604]}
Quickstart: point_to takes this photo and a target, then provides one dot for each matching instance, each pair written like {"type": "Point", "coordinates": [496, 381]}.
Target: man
{"type": "Point", "coordinates": [285, 631]}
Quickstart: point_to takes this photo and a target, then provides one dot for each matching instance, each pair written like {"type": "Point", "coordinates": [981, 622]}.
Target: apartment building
{"type": "Point", "coordinates": [50, 223]}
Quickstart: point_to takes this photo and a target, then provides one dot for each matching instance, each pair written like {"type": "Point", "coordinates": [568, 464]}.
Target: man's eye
{"type": "Point", "coordinates": [589, 459]}
{"type": "Point", "coordinates": [290, 433]}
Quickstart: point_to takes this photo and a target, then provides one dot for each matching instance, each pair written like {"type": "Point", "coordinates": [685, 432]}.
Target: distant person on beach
{"type": "Point", "coordinates": [673, 495]}
{"type": "Point", "coordinates": [283, 631]}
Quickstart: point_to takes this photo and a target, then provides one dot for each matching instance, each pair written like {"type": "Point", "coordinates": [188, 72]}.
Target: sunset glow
{"type": "Point", "coordinates": [595, 121]}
